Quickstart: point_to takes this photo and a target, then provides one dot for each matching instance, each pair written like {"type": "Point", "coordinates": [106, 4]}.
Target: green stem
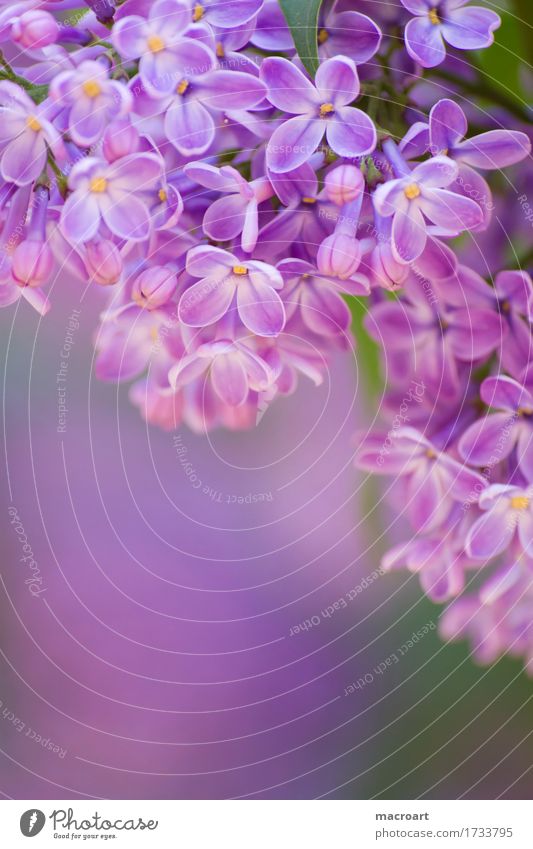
{"type": "Point", "coordinates": [481, 88]}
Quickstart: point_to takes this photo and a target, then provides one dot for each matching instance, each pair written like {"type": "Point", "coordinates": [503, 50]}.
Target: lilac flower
{"type": "Point", "coordinates": [271, 30]}
{"type": "Point", "coordinates": [508, 299]}
{"type": "Point", "coordinates": [439, 561]}
{"type": "Point", "coordinates": [497, 619]}
{"type": "Point", "coordinates": [320, 109]}
{"type": "Point", "coordinates": [440, 21]}
{"type": "Point", "coordinates": [317, 296]}
{"type": "Point", "coordinates": [25, 135]}
{"type": "Point", "coordinates": [158, 42]}
{"type": "Point", "coordinates": [434, 480]}
{"type": "Point", "coordinates": [347, 34]}
{"type": "Point", "coordinates": [419, 196]}
{"type": "Point", "coordinates": [492, 438]}
{"type": "Point", "coordinates": [488, 151]}
{"type": "Point", "coordinates": [199, 92]}
{"type": "Point", "coordinates": [92, 100]}
{"type": "Point", "coordinates": [225, 279]}
{"type": "Point", "coordinates": [109, 193]}
{"type": "Point", "coordinates": [234, 370]}
{"type": "Point", "coordinates": [236, 212]}
{"type": "Point", "coordinates": [508, 512]}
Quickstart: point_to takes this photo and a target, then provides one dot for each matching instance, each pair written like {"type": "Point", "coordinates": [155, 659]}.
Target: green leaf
{"type": "Point", "coordinates": [302, 18]}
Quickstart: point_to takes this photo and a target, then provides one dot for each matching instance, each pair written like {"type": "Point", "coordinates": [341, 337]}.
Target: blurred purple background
{"type": "Point", "coordinates": [156, 660]}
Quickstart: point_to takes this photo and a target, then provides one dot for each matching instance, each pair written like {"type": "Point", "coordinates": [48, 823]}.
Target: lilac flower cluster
{"type": "Point", "coordinates": [231, 205]}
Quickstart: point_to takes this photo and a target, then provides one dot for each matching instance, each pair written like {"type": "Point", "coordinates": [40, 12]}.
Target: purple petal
{"type": "Point", "coordinates": [206, 301]}
{"type": "Point", "coordinates": [220, 13]}
{"type": "Point", "coordinates": [352, 34]}
{"type": "Point", "coordinates": [260, 307]}
{"type": "Point", "coordinates": [229, 379]}
{"type": "Point", "coordinates": [271, 31]}
{"type": "Point", "coordinates": [447, 126]}
{"type": "Point", "coordinates": [288, 88]}
{"type": "Point", "coordinates": [449, 210]}
{"type": "Point", "coordinates": [436, 172]}
{"type": "Point", "coordinates": [524, 453]}
{"type": "Point", "coordinates": [80, 217]}
{"type": "Point", "coordinates": [189, 126]}
{"type": "Point", "coordinates": [516, 287]}
{"type": "Point", "coordinates": [129, 36]}
{"type": "Point", "coordinates": [489, 438]}
{"type": "Point", "coordinates": [491, 533]}
{"type": "Point", "coordinates": [293, 143]}
{"type": "Point", "coordinates": [24, 158]}
{"type": "Point", "coordinates": [437, 262]}
{"type": "Point", "coordinates": [495, 149]}
{"type": "Point", "coordinates": [350, 132]}
{"type": "Point", "coordinates": [208, 261]}
{"type": "Point", "coordinates": [424, 42]}
{"type": "Point", "coordinates": [470, 28]}
{"type": "Point", "coordinates": [126, 216]}
{"type": "Point", "coordinates": [323, 311]}
{"type": "Point", "coordinates": [504, 393]}
{"type": "Point", "coordinates": [409, 234]}
{"type": "Point", "coordinates": [426, 505]}
{"type": "Point", "coordinates": [337, 81]}
{"type": "Point", "coordinates": [473, 334]}
{"type": "Point", "coordinates": [137, 172]}
{"type": "Point", "coordinates": [230, 89]}
{"type": "Point", "coordinates": [224, 219]}
{"type": "Point", "coordinates": [87, 124]}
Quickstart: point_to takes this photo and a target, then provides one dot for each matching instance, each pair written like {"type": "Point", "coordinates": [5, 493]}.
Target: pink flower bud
{"type": "Point", "coordinates": [339, 255]}
{"type": "Point", "coordinates": [154, 287]}
{"type": "Point", "coordinates": [120, 139]}
{"type": "Point", "coordinates": [35, 29]}
{"type": "Point", "coordinates": [33, 263]}
{"type": "Point", "coordinates": [103, 262]}
{"type": "Point", "coordinates": [387, 271]}
{"type": "Point", "coordinates": [344, 184]}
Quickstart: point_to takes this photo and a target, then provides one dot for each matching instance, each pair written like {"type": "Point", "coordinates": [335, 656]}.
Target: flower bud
{"type": "Point", "coordinates": [154, 287]}
{"type": "Point", "coordinates": [388, 272]}
{"type": "Point", "coordinates": [103, 262]}
{"type": "Point", "coordinates": [120, 139]}
{"type": "Point", "coordinates": [33, 263]}
{"type": "Point", "coordinates": [339, 255]}
{"type": "Point", "coordinates": [35, 29]}
{"type": "Point", "coordinates": [344, 184]}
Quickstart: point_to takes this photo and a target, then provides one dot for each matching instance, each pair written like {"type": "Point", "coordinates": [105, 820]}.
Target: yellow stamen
{"type": "Point", "coordinates": [98, 185]}
{"type": "Point", "coordinates": [411, 191]}
{"type": "Point", "coordinates": [525, 411]}
{"type": "Point", "coordinates": [198, 12]}
{"type": "Point", "coordinates": [326, 109]}
{"type": "Point", "coordinates": [520, 502]}
{"type": "Point", "coordinates": [430, 454]}
{"type": "Point", "coordinates": [162, 195]}
{"type": "Point", "coordinates": [91, 88]}
{"type": "Point", "coordinates": [506, 306]}
{"type": "Point", "coordinates": [308, 200]}
{"type": "Point", "coordinates": [433, 17]}
{"type": "Point", "coordinates": [240, 270]}
{"type": "Point", "coordinates": [323, 35]}
{"type": "Point", "coordinates": [182, 87]}
{"type": "Point", "coordinates": [220, 50]}
{"type": "Point", "coordinates": [33, 123]}
{"type": "Point", "coordinates": [155, 44]}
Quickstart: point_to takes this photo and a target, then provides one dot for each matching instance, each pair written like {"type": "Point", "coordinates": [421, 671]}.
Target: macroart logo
{"type": "Point", "coordinates": [32, 822]}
